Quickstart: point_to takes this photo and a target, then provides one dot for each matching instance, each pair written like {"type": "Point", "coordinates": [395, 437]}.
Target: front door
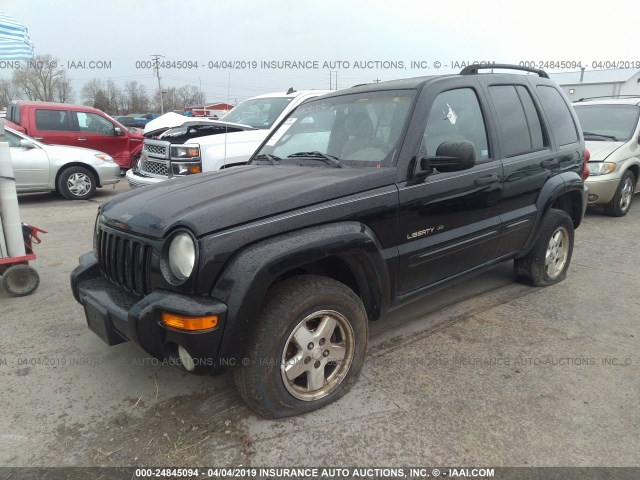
{"type": "Point", "coordinates": [450, 221]}
{"type": "Point", "coordinates": [98, 133]}
{"type": "Point", "coordinates": [30, 165]}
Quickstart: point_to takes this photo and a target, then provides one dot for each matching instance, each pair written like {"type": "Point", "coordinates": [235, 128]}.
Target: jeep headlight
{"type": "Point", "coordinates": [185, 152]}
{"type": "Point", "coordinates": [182, 255]}
{"type": "Point", "coordinates": [600, 168]}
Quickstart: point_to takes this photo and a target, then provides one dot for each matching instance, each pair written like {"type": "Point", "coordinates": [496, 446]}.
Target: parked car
{"type": "Point", "coordinates": [232, 140]}
{"type": "Point", "coordinates": [360, 201]}
{"type": "Point", "coordinates": [73, 172]}
{"type": "Point", "coordinates": [611, 128]}
{"type": "Point", "coordinates": [77, 126]}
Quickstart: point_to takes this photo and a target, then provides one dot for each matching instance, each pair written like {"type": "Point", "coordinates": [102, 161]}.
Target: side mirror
{"type": "Point", "coordinates": [118, 132]}
{"type": "Point", "coordinates": [27, 144]}
{"type": "Point", "coordinates": [450, 157]}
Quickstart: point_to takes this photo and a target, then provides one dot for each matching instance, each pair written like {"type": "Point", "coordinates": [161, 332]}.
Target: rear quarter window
{"type": "Point", "coordinates": [52, 120]}
{"type": "Point", "coordinates": [560, 118]}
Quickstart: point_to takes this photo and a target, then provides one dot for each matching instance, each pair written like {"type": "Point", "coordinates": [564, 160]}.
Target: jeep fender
{"type": "Point", "coordinates": [245, 280]}
{"type": "Point", "coordinates": [555, 187]}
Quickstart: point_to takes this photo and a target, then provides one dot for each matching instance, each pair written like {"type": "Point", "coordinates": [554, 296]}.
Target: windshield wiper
{"type": "Point", "coordinates": [591, 134]}
{"type": "Point", "coordinates": [328, 159]}
{"type": "Point", "coordinates": [272, 159]}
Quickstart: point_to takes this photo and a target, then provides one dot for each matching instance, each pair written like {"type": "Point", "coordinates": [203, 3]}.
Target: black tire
{"type": "Point", "coordinates": [621, 202]}
{"type": "Point", "coordinates": [76, 183]}
{"type": "Point", "coordinates": [20, 280]}
{"type": "Point", "coordinates": [308, 301]}
{"type": "Point", "coordinates": [533, 268]}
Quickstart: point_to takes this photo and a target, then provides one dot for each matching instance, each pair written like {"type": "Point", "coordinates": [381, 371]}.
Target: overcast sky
{"type": "Point", "coordinates": [126, 31]}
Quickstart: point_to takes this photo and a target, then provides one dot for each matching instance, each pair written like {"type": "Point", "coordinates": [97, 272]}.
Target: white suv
{"type": "Point", "coordinates": [611, 130]}
{"type": "Point", "coordinates": [237, 136]}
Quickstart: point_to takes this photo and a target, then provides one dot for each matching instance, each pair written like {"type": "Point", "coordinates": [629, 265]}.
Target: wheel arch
{"type": "Point", "coordinates": [563, 192]}
{"type": "Point", "coordinates": [62, 168]}
{"type": "Point", "coordinates": [347, 252]}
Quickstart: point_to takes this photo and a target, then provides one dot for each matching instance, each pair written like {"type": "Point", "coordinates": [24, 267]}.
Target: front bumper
{"type": "Point", "coordinates": [117, 316]}
{"type": "Point", "coordinates": [602, 188]}
{"type": "Point", "coordinates": [108, 173]}
{"type": "Point", "coordinates": [136, 180]}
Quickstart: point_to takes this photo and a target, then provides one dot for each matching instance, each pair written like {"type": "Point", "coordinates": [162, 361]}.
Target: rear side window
{"type": "Point", "coordinates": [519, 120]}
{"type": "Point", "coordinates": [559, 115]}
{"type": "Point", "coordinates": [14, 114]}
{"type": "Point", "coordinates": [52, 120]}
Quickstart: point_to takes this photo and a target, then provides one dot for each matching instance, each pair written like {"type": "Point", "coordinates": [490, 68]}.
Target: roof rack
{"type": "Point", "coordinates": [607, 96]}
{"type": "Point", "coordinates": [473, 69]}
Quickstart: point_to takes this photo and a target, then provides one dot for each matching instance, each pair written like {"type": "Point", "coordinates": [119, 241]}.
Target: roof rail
{"type": "Point", "coordinates": [473, 69]}
{"type": "Point", "coordinates": [607, 96]}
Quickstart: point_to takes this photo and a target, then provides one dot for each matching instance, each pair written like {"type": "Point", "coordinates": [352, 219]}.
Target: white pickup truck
{"type": "Point", "coordinates": [182, 151]}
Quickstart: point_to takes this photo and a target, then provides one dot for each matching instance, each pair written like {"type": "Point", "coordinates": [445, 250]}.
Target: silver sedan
{"type": "Point", "coordinates": [73, 172]}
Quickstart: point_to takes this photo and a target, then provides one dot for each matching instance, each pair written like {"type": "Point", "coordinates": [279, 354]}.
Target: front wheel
{"type": "Point", "coordinates": [76, 183]}
{"type": "Point", "coordinates": [548, 261]}
{"type": "Point", "coordinates": [621, 202]}
{"type": "Point", "coordinates": [307, 349]}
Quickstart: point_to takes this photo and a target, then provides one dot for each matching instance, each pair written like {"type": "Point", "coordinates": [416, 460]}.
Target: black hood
{"type": "Point", "coordinates": [209, 202]}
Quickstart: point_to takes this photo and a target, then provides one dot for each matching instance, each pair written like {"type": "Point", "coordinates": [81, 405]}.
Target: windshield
{"type": "Point", "coordinates": [357, 130]}
{"type": "Point", "coordinates": [258, 112]}
{"type": "Point", "coordinates": [608, 122]}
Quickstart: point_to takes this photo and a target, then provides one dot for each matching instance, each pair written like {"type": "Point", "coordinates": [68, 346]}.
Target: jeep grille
{"type": "Point", "coordinates": [124, 261]}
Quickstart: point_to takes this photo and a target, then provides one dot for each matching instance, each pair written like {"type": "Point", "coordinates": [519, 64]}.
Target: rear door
{"type": "Point", "coordinates": [52, 126]}
{"type": "Point", "coordinates": [528, 156]}
{"type": "Point", "coordinates": [450, 221]}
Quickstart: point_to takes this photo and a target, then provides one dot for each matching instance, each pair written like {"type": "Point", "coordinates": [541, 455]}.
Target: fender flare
{"type": "Point", "coordinates": [555, 187]}
{"type": "Point", "coordinates": [245, 280]}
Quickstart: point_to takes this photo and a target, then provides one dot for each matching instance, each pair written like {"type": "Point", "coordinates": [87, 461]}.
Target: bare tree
{"type": "Point", "coordinates": [43, 80]}
{"type": "Point", "coordinates": [136, 99]}
{"type": "Point", "coordinates": [7, 93]}
{"type": "Point", "coordinates": [188, 95]}
{"type": "Point", "coordinates": [90, 90]}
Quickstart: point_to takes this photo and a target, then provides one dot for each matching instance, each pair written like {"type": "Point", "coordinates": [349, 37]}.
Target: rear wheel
{"type": "Point", "coordinates": [307, 349]}
{"type": "Point", "coordinates": [20, 280]}
{"type": "Point", "coordinates": [621, 201]}
{"type": "Point", "coordinates": [548, 261]}
{"type": "Point", "coordinates": [76, 183]}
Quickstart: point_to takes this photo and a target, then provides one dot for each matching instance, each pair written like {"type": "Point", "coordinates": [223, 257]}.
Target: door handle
{"type": "Point", "coordinates": [38, 138]}
{"type": "Point", "coordinates": [80, 139]}
{"type": "Point", "coordinates": [487, 179]}
{"type": "Point", "coordinates": [551, 162]}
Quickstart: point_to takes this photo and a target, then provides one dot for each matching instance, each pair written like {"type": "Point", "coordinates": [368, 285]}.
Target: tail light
{"type": "Point", "coordinates": [585, 169]}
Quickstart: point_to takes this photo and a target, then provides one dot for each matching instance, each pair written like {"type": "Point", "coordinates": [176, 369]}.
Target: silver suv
{"type": "Point", "coordinates": [611, 131]}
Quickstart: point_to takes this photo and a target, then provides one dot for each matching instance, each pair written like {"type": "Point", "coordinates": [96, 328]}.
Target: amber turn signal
{"type": "Point", "coordinates": [190, 324]}
{"type": "Point", "coordinates": [194, 169]}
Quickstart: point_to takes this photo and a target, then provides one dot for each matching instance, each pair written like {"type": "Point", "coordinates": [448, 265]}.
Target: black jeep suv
{"type": "Point", "coordinates": [360, 201]}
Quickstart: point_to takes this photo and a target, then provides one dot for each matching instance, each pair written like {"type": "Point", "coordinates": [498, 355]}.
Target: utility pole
{"type": "Point", "coordinates": [331, 72]}
{"type": "Point", "coordinates": [156, 65]}
{"type": "Point", "coordinates": [377, 80]}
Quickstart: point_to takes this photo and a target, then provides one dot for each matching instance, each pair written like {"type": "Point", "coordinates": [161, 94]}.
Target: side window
{"type": "Point", "coordinates": [90, 122]}
{"type": "Point", "coordinates": [52, 120]}
{"type": "Point", "coordinates": [513, 122]}
{"type": "Point", "coordinates": [564, 129]}
{"type": "Point", "coordinates": [538, 139]}
{"type": "Point", "coordinates": [455, 116]}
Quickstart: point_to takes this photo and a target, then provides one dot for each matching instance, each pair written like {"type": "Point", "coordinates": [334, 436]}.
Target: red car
{"type": "Point", "coordinates": [78, 126]}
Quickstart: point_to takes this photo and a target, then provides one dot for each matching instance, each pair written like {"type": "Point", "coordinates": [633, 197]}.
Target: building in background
{"type": "Point", "coordinates": [214, 109]}
{"type": "Point", "coordinates": [598, 83]}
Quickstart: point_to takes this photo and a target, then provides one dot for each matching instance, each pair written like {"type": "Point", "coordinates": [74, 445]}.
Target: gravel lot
{"type": "Point", "coordinates": [486, 373]}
